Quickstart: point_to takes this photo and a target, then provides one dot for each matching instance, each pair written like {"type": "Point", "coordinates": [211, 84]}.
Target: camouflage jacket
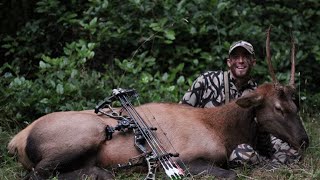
{"type": "Point", "coordinates": [208, 90]}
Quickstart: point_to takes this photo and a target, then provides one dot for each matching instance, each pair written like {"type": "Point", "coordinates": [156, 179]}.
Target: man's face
{"type": "Point", "coordinates": [240, 62]}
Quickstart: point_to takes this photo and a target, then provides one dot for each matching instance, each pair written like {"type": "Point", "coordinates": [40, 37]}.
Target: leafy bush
{"type": "Point", "coordinates": [61, 83]}
{"type": "Point", "coordinates": [69, 55]}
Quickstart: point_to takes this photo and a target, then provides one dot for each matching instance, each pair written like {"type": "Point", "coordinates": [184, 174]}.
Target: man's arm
{"type": "Point", "coordinates": [193, 96]}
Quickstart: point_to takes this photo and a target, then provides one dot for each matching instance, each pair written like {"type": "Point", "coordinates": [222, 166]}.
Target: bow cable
{"type": "Point", "coordinates": [165, 135]}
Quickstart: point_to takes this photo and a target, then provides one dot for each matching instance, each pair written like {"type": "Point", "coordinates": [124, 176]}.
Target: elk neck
{"type": "Point", "coordinates": [233, 124]}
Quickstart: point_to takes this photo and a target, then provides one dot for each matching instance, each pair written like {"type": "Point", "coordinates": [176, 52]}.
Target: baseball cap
{"type": "Point", "coordinates": [243, 44]}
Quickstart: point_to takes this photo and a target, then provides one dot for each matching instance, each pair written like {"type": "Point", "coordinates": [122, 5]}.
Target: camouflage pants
{"type": "Point", "coordinates": [245, 154]}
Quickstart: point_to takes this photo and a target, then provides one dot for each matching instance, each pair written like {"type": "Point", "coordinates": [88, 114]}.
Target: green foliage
{"type": "Point", "coordinates": [69, 55]}
{"type": "Point", "coordinates": [61, 83]}
{"type": "Point", "coordinates": [147, 76]}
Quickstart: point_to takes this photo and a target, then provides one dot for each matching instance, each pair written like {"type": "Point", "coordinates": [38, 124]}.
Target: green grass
{"type": "Point", "coordinates": [308, 168]}
{"type": "Point", "coordinates": [9, 169]}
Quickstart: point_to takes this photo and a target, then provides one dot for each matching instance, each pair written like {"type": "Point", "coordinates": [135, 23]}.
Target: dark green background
{"type": "Point", "coordinates": [68, 55]}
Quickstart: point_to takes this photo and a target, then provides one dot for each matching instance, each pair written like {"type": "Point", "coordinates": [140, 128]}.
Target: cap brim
{"type": "Point", "coordinates": [241, 45]}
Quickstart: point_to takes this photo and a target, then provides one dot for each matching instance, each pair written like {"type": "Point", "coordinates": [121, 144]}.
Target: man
{"type": "Point", "coordinates": [208, 90]}
{"type": "Point", "coordinates": [215, 88]}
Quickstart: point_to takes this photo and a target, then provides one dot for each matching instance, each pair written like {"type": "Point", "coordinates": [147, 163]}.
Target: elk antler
{"type": "Point", "coordinates": [293, 59]}
{"type": "Point", "coordinates": [271, 71]}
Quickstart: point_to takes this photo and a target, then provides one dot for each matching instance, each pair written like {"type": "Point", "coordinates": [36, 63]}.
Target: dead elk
{"type": "Point", "coordinates": [72, 140]}
{"type": "Point", "coordinates": [68, 141]}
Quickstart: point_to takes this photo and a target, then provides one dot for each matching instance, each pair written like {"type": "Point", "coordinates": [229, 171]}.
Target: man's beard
{"type": "Point", "coordinates": [240, 75]}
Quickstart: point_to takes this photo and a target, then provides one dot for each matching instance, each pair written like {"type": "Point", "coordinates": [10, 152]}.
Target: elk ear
{"type": "Point", "coordinates": [250, 100]}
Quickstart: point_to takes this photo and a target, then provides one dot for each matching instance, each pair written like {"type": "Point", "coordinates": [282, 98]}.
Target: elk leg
{"type": "Point", "coordinates": [64, 162]}
{"type": "Point", "coordinates": [62, 158]}
{"type": "Point", "coordinates": [205, 167]}
{"type": "Point", "coordinates": [96, 173]}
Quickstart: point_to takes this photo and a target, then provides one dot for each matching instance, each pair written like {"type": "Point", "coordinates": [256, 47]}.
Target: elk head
{"type": "Point", "coordinates": [276, 110]}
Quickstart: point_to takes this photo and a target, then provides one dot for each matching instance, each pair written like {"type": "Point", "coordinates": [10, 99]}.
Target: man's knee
{"type": "Point", "coordinates": [284, 154]}
{"type": "Point", "coordinates": [244, 154]}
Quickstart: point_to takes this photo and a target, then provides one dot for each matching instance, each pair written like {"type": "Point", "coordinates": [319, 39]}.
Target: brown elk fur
{"type": "Point", "coordinates": [66, 141]}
